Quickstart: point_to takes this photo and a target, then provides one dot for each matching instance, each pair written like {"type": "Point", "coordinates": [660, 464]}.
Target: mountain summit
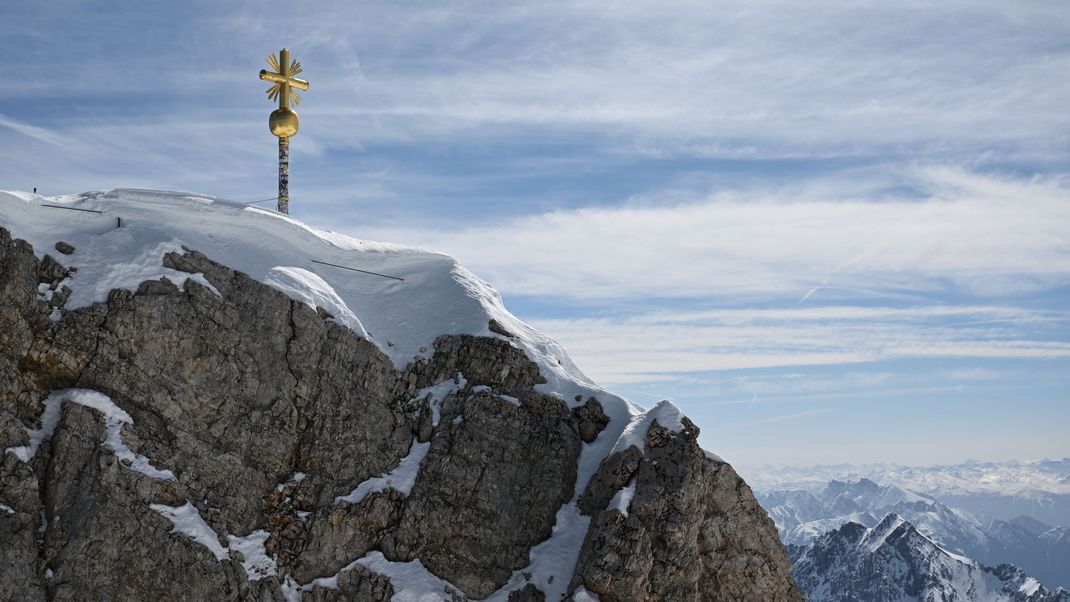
{"type": "Point", "coordinates": [803, 515]}
{"type": "Point", "coordinates": [894, 562]}
{"type": "Point", "coordinates": [202, 400]}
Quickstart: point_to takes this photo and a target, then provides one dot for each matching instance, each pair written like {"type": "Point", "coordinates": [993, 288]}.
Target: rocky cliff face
{"type": "Point", "coordinates": [214, 439]}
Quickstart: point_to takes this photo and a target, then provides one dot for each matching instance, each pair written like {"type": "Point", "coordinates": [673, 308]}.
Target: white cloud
{"type": "Point", "coordinates": [781, 417]}
{"type": "Point", "coordinates": [763, 78]}
{"type": "Point", "coordinates": [721, 79]}
{"type": "Point", "coordinates": [968, 233]}
{"type": "Point", "coordinates": [656, 346]}
{"type": "Point", "coordinates": [36, 133]}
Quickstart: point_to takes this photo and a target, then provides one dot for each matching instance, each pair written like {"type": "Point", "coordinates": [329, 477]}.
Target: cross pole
{"type": "Point", "coordinates": [283, 121]}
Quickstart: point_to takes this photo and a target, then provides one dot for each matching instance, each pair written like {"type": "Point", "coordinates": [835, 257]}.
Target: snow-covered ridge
{"type": "Point", "coordinates": [121, 235]}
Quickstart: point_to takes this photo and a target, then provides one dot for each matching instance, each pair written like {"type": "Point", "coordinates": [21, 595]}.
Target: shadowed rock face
{"type": "Point", "coordinates": [266, 411]}
{"type": "Point", "coordinates": [693, 530]}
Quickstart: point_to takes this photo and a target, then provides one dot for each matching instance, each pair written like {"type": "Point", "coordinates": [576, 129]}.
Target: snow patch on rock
{"type": "Point", "coordinates": [187, 521]}
{"type": "Point", "coordinates": [552, 561]}
{"type": "Point", "coordinates": [622, 500]}
{"type": "Point", "coordinates": [666, 413]}
{"type": "Point", "coordinates": [256, 562]}
{"type": "Point", "coordinates": [401, 478]}
{"type": "Point", "coordinates": [410, 580]}
{"type": "Point", "coordinates": [114, 417]}
{"type": "Point", "coordinates": [438, 392]}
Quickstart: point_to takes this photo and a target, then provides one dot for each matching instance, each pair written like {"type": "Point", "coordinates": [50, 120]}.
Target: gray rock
{"type": "Point", "coordinates": [613, 473]}
{"type": "Point", "coordinates": [496, 327]}
{"type": "Point", "coordinates": [103, 542]}
{"type": "Point", "coordinates": [489, 489]}
{"type": "Point", "coordinates": [343, 533]}
{"type": "Point", "coordinates": [64, 247]}
{"type": "Point", "coordinates": [355, 585]}
{"type": "Point", "coordinates": [693, 530]}
{"type": "Point", "coordinates": [590, 418]}
{"type": "Point", "coordinates": [21, 572]}
{"type": "Point", "coordinates": [265, 411]}
{"type": "Point", "coordinates": [50, 271]}
{"type": "Point", "coordinates": [529, 593]}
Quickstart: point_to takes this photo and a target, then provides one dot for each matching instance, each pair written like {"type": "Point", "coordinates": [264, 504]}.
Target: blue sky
{"type": "Point", "coordinates": [831, 231]}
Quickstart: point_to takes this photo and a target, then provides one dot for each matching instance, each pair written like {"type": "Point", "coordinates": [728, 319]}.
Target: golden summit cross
{"type": "Point", "coordinates": [283, 120]}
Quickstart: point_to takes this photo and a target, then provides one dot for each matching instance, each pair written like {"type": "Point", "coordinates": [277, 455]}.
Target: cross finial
{"type": "Point", "coordinates": [283, 78]}
{"type": "Point", "coordinates": [283, 120]}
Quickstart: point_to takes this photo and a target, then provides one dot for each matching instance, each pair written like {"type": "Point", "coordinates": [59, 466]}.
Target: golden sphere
{"type": "Point", "coordinates": [283, 123]}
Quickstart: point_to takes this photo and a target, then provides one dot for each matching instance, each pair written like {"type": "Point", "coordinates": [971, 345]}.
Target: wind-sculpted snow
{"type": "Point", "coordinates": [364, 432]}
{"type": "Point", "coordinates": [436, 295]}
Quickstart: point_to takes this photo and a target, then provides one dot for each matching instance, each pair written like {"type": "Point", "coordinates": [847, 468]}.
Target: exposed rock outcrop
{"type": "Point", "coordinates": [692, 531]}
{"type": "Point", "coordinates": [257, 449]}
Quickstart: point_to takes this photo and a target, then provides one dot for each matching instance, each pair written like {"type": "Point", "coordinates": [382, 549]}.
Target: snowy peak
{"type": "Point", "coordinates": [894, 562]}
{"type": "Point", "coordinates": [859, 487]}
{"type": "Point", "coordinates": [803, 516]}
{"type": "Point", "coordinates": [891, 526]}
{"type": "Point", "coordinates": [800, 515]}
{"type": "Point", "coordinates": [810, 530]}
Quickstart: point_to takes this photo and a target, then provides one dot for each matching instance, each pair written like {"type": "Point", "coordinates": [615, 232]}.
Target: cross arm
{"type": "Point", "coordinates": [300, 84]}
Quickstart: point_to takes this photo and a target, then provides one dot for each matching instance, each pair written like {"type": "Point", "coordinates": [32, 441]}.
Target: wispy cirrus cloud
{"type": "Point", "coordinates": [658, 346]}
{"type": "Point", "coordinates": [767, 80]}
{"type": "Point", "coordinates": [758, 78]}
{"type": "Point", "coordinates": [954, 231]}
{"type": "Point", "coordinates": [781, 417]}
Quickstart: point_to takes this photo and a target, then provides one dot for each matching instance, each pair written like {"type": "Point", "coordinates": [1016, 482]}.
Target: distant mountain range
{"type": "Point", "coordinates": [893, 562]}
{"type": "Point", "coordinates": [1002, 490]}
{"type": "Point", "coordinates": [806, 516]}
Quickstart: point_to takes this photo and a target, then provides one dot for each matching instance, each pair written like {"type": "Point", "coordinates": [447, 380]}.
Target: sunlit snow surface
{"type": "Point", "coordinates": [437, 295]}
{"type": "Point", "coordinates": [120, 242]}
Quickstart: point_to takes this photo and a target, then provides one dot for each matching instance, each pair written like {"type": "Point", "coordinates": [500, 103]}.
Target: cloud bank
{"type": "Point", "coordinates": [957, 232]}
